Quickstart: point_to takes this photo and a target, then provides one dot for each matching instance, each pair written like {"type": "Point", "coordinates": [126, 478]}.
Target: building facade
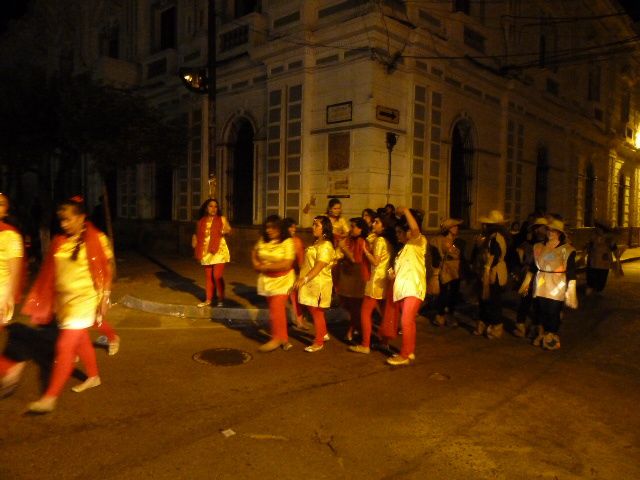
{"type": "Point", "coordinates": [515, 105]}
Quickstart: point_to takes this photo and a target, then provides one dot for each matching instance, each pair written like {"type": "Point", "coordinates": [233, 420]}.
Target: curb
{"type": "Point", "coordinates": [240, 316]}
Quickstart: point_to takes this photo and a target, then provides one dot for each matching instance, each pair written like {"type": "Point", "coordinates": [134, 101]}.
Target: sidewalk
{"type": "Point", "coordinates": [173, 286]}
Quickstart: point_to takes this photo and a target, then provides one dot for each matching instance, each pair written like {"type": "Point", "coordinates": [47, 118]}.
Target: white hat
{"type": "Point", "coordinates": [495, 216]}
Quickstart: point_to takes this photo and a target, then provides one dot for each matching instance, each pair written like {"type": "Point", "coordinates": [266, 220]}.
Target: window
{"type": "Point", "coordinates": [463, 6]}
{"type": "Point", "coordinates": [110, 42]}
{"type": "Point", "coordinates": [593, 87]}
{"type": "Point", "coordinates": [589, 192]}
{"type": "Point", "coordinates": [542, 174]}
{"type": "Point", "coordinates": [245, 7]}
{"type": "Point", "coordinates": [168, 27]}
{"type": "Point", "coordinates": [625, 105]}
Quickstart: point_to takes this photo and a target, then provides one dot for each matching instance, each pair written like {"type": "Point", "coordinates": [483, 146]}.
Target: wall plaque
{"type": "Point", "coordinates": [339, 112]}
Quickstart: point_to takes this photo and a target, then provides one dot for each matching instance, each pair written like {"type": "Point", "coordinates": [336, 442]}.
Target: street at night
{"type": "Point", "coordinates": [467, 408]}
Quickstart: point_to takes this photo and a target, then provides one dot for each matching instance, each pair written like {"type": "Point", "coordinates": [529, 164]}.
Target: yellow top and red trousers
{"type": "Point", "coordinates": [316, 293]}
{"type": "Point", "coordinates": [410, 288]}
{"type": "Point", "coordinates": [376, 286]}
{"type": "Point", "coordinates": [276, 285]}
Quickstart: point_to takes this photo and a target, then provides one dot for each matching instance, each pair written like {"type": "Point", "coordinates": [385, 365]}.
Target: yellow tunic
{"type": "Point", "coordinates": [340, 227]}
{"type": "Point", "coordinates": [10, 247]}
{"type": "Point", "coordinates": [317, 292]}
{"type": "Point", "coordinates": [275, 251]}
{"type": "Point", "coordinates": [377, 284]}
{"type": "Point", "coordinates": [76, 296]}
{"type": "Point", "coordinates": [411, 280]}
{"type": "Point", "coordinates": [222, 255]}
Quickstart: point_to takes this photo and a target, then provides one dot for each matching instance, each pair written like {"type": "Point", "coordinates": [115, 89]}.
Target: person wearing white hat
{"type": "Point", "coordinates": [446, 252]}
{"type": "Point", "coordinates": [490, 251]}
{"type": "Point", "coordinates": [537, 232]}
{"type": "Point", "coordinates": [554, 282]}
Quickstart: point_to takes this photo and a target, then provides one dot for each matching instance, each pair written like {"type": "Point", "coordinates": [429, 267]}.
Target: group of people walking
{"type": "Point", "coordinates": [377, 262]}
{"type": "Point", "coordinates": [381, 262]}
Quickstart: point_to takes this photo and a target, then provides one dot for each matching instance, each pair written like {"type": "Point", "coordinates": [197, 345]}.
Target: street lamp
{"type": "Point", "coordinates": [202, 80]}
{"type": "Point", "coordinates": [391, 141]}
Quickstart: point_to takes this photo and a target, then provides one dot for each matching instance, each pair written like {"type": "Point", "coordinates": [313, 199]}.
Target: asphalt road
{"type": "Point", "coordinates": [468, 408]}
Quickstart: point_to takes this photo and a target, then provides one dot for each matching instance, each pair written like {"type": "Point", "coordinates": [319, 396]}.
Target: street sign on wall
{"type": "Point", "coordinates": [386, 114]}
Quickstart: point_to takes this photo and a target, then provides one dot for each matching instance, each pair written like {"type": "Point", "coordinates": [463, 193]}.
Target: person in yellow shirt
{"type": "Point", "coordinates": [410, 284]}
{"type": "Point", "coordinates": [376, 287]}
{"type": "Point", "coordinates": [11, 269]}
{"type": "Point", "coordinates": [75, 283]}
{"type": "Point", "coordinates": [273, 257]}
{"type": "Point", "coordinates": [314, 285]}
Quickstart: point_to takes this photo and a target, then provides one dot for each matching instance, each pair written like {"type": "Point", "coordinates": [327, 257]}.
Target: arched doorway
{"type": "Point", "coordinates": [242, 173]}
{"type": "Point", "coordinates": [461, 173]}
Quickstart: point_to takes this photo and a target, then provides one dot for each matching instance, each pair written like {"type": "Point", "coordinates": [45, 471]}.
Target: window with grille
{"type": "Point", "coordinates": [515, 166]}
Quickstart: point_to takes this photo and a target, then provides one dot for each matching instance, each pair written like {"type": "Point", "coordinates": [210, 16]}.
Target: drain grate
{"type": "Point", "coordinates": [223, 357]}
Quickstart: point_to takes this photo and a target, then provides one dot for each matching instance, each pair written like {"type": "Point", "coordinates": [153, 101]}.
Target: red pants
{"type": "Point", "coordinates": [5, 365]}
{"type": "Point", "coordinates": [368, 306]}
{"type": "Point", "coordinates": [297, 308]}
{"type": "Point", "coordinates": [107, 330]}
{"type": "Point", "coordinates": [214, 281]}
{"type": "Point", "coordinates": [278, 317]}
{"type": "Point", "coordinates": [352, 306]}
{"type": "Point", "coordinates": [389, 327]}
{"type": "Point", "coordinates": [69, 344]}
{"type": "Point", "coordinates": [320, 324]}
{"type": "Point", "coordinates": [409, 307]}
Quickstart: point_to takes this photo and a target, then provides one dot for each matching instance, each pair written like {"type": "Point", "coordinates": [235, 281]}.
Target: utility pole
{"type": "Point", "coordinates": [211, 86]}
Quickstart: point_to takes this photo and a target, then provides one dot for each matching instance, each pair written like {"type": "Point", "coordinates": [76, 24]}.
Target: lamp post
{"type": "Point", "coordinates": [202, 80]}
{"type": "Point", "coordinates": [391, 140]}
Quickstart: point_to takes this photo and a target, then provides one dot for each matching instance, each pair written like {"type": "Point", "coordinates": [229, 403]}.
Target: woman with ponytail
{"type": "Point", "coordinates": [210, 248]}
{"type": "Point", "coordinates": [75, 284]}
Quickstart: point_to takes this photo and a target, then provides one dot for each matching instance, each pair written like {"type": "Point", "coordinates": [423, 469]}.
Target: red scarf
{"type": "Point", "coordinates": [40, 301]}
{"type": "Point", "coordinates": [22, 265]}
{"type": "Point", "coordinates": [357, 248]}
{"type": "Point", "coordinates": [215, 236]}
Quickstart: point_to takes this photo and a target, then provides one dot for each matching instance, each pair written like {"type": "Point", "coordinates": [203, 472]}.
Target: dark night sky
{"type": "Point", "coordinates": [16, 8]}
{"type": "Point", "coordinates": [11, 9]}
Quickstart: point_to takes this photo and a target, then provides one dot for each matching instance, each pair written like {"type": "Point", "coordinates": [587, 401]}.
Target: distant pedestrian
{"type": "Point", "coordinates": [273, 257]}
{"type": "Point", "coordinates": [376, 286]}
{"type": "Point", "coordinates": [554, 282]}
{"type": "Point", "coordinates": [75, 282]}
{"type": "Point", "coordinates": [355, 271]}
{"type": "Point", "coordinates": [537, 232]}
{"type": "Point", "coordinates": [210, 248]}
{"type": "Point", "coordinates": [447, 257]}
{"type": "Point", "coordinates": [603, 254]}
{"type": "Point", "coordinates": [339, 224]}
{"type": "Point", "coordinates": [314, 285]}
{"type": "Point", "coordinates": [410, 284]}
{"type": "Point", "coordinates": [489, 259]}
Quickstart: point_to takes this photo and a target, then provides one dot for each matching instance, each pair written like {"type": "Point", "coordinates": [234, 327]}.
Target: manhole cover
{"type": "Point", "coordinates": [224, 357]}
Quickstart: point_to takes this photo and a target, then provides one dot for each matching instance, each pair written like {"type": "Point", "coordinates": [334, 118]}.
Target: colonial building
{"type": "Point", "coordinates": [456, 107]}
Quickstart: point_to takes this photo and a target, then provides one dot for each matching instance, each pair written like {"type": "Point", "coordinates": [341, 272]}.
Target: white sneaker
{"type": "Point", "coordinates": [90, 382]}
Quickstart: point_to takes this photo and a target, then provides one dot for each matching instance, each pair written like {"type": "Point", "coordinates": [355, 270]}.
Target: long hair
{"type": "Point", "coordinates": [276, 222]}
{"type": "Point", "coordinates": [389, 232]}
{"type": "Point", "coordinates": [203, 208]}
{"type": "Point", "coordinates": [79, 208]}
{"type": "Point", "coordinates": [362, 225]}
{"type": "Point", "coordinates": [404, 224]}
{"type": "Point", "coordinates": [327, 227]}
